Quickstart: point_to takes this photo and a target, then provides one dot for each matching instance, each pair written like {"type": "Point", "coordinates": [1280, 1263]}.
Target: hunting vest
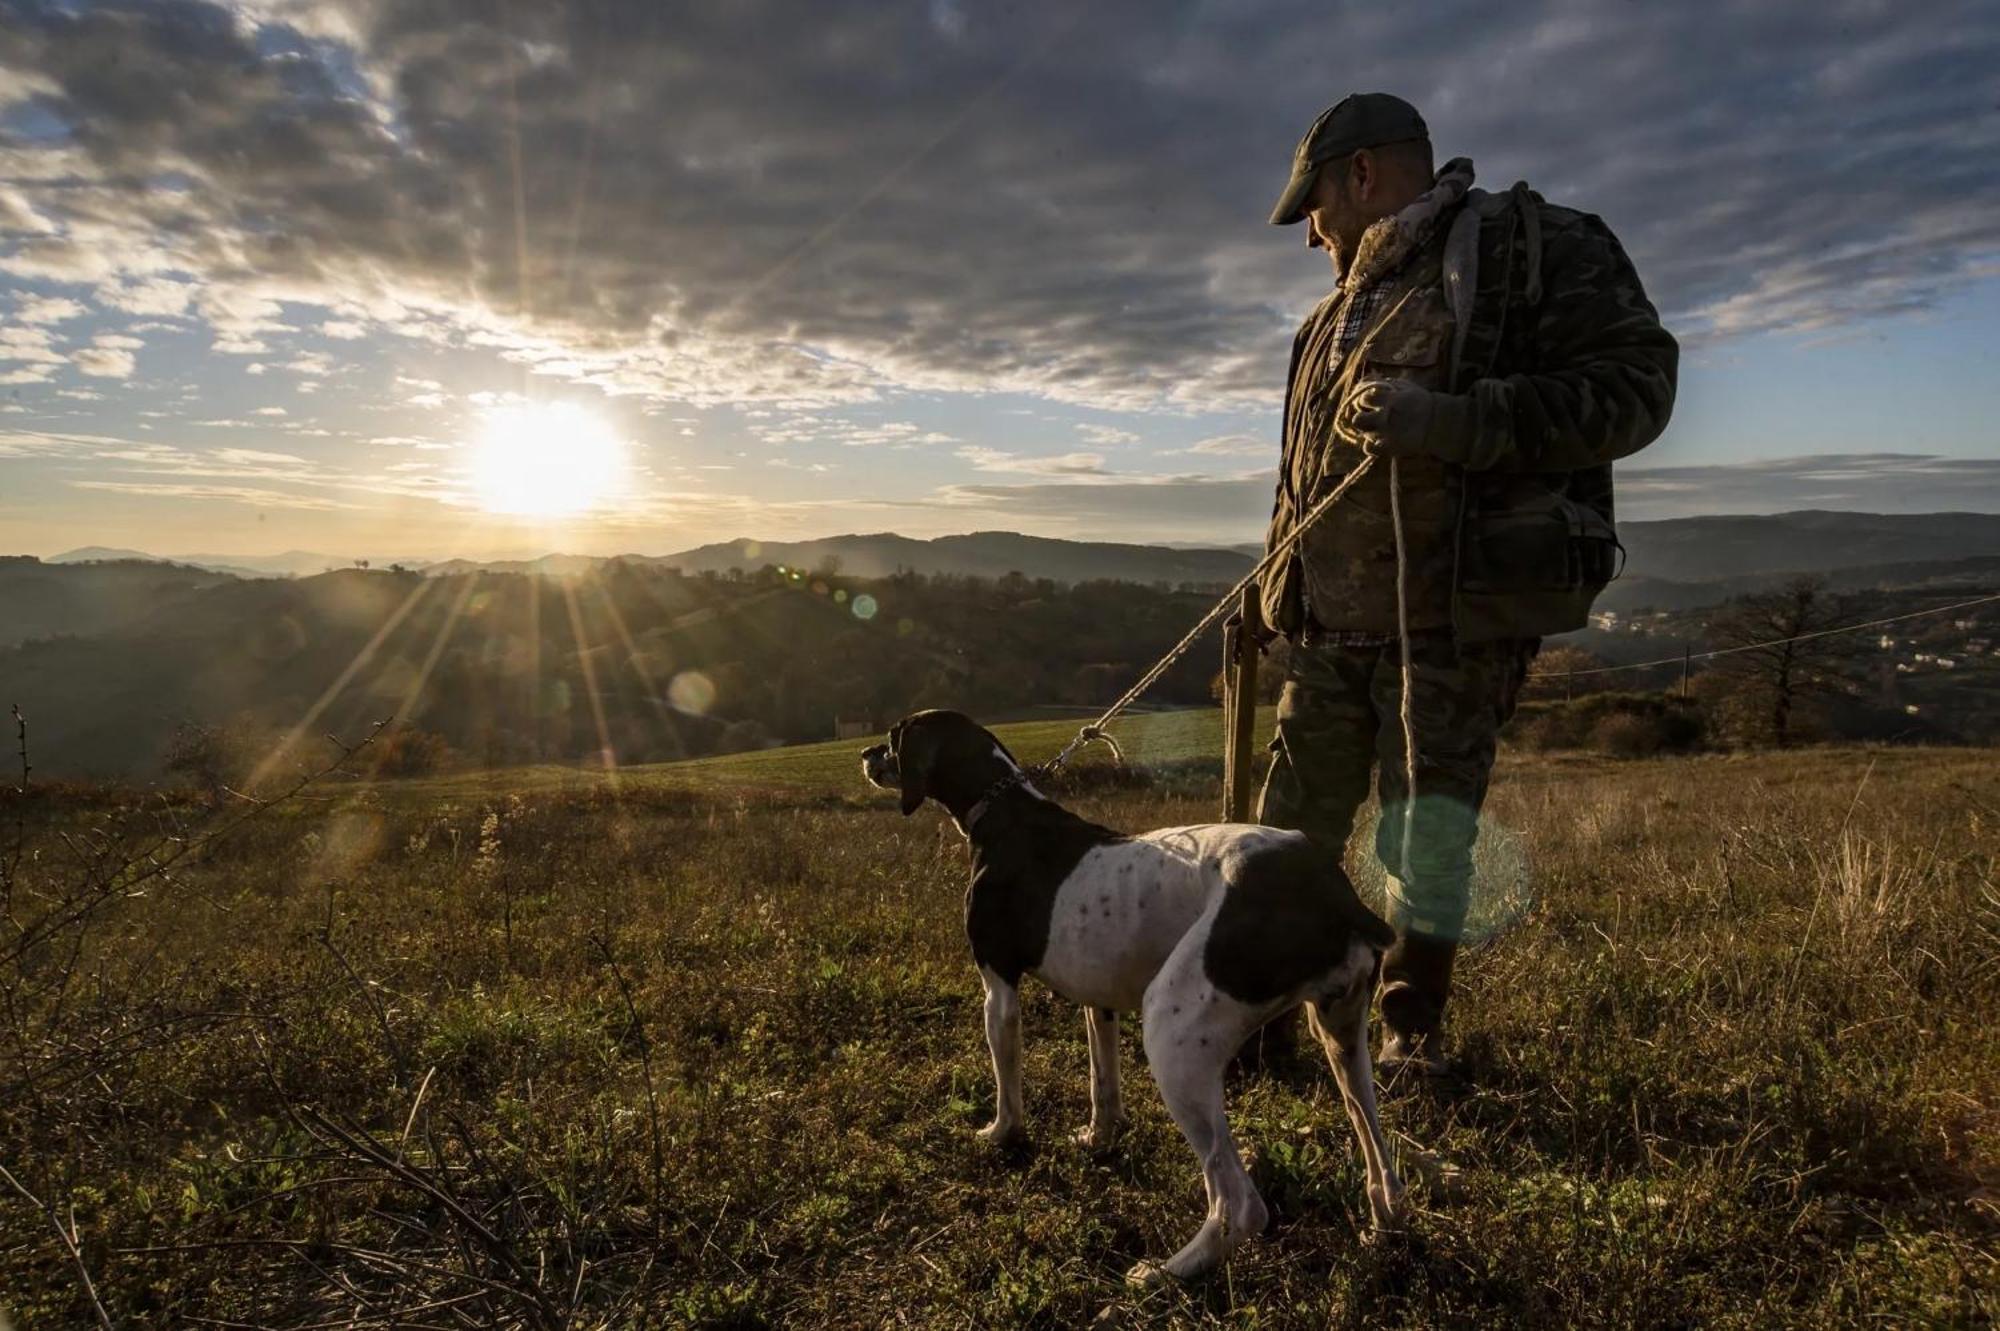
{"type": "Point", "coordinates": [1494, 554]}
{"type": "Point", "coordinates": [1345, 574]}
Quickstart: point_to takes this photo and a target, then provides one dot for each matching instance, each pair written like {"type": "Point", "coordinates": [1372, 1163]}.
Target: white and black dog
{"type": "Point", "coordinates": [1208, 932]}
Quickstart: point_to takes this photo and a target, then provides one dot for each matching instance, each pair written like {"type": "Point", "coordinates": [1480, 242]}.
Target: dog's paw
{"type": "Point", "coordinates": [998, 1134]}
{"type": "Point", "coordinates": [1389, 1211]}
{"type": "Point", "coordinates": [1101, 1136]}
{"type": "Point", "coordinates": [1440, 1181]}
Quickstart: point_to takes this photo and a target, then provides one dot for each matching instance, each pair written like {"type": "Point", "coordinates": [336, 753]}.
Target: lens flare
{"type": "Point", "coordinates": [692, 691]}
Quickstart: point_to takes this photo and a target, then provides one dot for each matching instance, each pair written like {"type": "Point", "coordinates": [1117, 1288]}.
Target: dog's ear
{"type": "Point", "coordinates": [912, 747]}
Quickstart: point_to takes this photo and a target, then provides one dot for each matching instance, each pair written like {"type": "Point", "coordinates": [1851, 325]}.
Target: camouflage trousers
{"type": "Point", "coordinates": [1339, 719]}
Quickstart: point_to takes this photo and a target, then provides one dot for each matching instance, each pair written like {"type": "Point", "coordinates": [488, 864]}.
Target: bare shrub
{"type": "Point", "coordinates": [1622, 725]}
{"type": "Point", "coordinates": [205, 756]}
{"type": "Point", "coordinates": [409, 752]}
{"type": "Point", "coordinates": [1553, 673]}
{"type": "Point", "coordinates": [1626, 735]}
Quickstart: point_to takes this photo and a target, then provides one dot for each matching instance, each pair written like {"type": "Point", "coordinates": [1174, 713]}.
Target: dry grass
{"type": "Point", "coordinates": [660, 1057]}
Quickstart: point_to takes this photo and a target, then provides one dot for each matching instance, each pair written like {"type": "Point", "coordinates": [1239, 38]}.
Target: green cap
{"type": "Point", "coordinates": [1358, 120]}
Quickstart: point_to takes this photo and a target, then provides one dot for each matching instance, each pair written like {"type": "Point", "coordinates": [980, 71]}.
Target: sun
{"type": "Point", "coordinates": [547, 460]}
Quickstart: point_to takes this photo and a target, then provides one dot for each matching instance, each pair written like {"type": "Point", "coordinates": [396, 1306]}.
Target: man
{"type": "Point", "coordinates": [1493, 354]}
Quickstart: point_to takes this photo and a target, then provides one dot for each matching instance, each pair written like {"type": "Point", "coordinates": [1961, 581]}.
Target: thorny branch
{"type": "Point", "coordinates": [68, 1233]}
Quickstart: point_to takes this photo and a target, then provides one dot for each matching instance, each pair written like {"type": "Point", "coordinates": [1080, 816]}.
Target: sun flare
{"type": "Point", "coordinates": [547, 459]}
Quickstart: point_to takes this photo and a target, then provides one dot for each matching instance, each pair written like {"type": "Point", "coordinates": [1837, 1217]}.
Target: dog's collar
{"type": "Point", "coordinates": [1017, 777]}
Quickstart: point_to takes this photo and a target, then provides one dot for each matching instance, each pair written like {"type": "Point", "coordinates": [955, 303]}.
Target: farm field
{"type": "Point", "coordinates": [700, 1046]}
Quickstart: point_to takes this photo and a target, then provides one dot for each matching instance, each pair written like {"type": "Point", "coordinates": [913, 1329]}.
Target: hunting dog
{"type": "Point", "coordinates": [1207, 932]}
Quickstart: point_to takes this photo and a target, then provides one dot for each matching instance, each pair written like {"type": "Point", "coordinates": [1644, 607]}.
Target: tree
{"type": "Point", "coordinates": [1774, 673]}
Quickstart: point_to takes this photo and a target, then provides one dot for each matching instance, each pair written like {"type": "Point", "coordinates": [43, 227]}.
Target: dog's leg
{"type": "Point", "coordinates": [1107, 1110]}
{"type": "Point", "coordinates": [1190, 1032]}
{"type": "Point", "coordinates": [1341, 1023]}
{"type": "Point", "coordinates": [1003, 1040]}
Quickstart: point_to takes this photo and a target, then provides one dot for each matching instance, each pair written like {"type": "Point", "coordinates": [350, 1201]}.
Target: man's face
{"type": "Point", "coordinates": [1333, 218]}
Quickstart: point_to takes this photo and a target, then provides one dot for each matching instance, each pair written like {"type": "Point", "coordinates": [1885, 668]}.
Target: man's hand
{"type": "Point", "coordinates": [1266, 635]}
{"type": "Point", "coordinates": [1395, 418]}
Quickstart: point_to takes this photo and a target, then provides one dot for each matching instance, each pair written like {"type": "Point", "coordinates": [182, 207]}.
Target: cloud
{"type": "Point", "coordinates": [1231, 446]}
{"type": "Point", "coordinates": [1856, 482]}
{"type": "Point", "coordinates": [1175, 509]}
{"type": "Point", "coordinates": [797, 428]}
{"type": "Point", "coordinates": [147, 295]}
{"type": "Point", "coordinates": [31, 345]}
{"type": "Point", "coordinates": [255, 456]}
{"type": "Point", "coordinates": [778, 221]}
{"type": "Point", "coordinates": [239, 494]}
{"type": "Point", "coordinates": [103, 362]}
{"type": "Point", "coordinates": [47, 310]}
{"type": "Point", "coordinates": [1062, 464]}
{"type": "Point", "coordinates": [1236, 507]}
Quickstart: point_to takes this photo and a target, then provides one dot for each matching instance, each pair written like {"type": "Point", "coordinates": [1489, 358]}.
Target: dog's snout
{"type": "Point", "coordinates": [879, 765]}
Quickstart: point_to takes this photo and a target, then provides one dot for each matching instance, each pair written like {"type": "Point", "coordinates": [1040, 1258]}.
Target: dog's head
{"type": "Point", "coordinates": [939, 755]}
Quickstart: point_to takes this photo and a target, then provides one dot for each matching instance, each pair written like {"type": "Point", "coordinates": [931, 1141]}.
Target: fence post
{"type": "Point", "coordinates": [1232, 632]}
{"type": "Point", "coordinates": [1687, 662]}
{"type": "Point", "coordinates": [1239, 716]}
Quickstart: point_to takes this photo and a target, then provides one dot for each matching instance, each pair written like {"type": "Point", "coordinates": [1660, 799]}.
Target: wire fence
{"type": "Point", "coordinates": [1685, 659]}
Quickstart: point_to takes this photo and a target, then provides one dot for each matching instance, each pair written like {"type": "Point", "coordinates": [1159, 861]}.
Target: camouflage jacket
{"type": "Point", "coordinates": [1535, 311]}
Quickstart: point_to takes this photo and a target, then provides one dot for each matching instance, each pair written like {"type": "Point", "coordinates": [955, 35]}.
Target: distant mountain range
{"type": "Point", "coordinates": [1671, 560]}
{"type": "Point", "coordinates": [979, 554]}
{"type": "Point", "coordinates": [290, 564]}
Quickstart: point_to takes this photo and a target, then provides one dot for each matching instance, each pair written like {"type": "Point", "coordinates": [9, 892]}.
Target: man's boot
{"type": "Point", "coordinates": [1276, 1050]}
{"type": "Point", "coordinates": [1416, 981]}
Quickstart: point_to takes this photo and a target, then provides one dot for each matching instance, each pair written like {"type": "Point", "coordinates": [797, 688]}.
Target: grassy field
{"type": "Point", "coordinates": [701, 1046]}
{"type": "Point", "coordinates": [1149, 741]}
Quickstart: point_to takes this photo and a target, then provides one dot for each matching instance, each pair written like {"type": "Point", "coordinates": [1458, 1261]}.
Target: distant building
{"type": "Point", "coordinates": [1910, 707]}
{"type": "Point", "coordinates": [1925, 657]}
{"type": "Point", "coordinates": [1605, 619]}
{"type": "Point", "coordinates": [1885, 642]}
{"type": "Point", "coordinates": [1943, 662]}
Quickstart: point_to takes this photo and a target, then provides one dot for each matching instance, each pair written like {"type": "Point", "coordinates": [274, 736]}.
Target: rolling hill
{"type": "Point", "coordinates": [1675, 562]}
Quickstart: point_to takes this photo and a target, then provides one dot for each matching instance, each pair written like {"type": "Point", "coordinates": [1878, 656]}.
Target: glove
{"type": "Point", "coordinates": [1398, 419]}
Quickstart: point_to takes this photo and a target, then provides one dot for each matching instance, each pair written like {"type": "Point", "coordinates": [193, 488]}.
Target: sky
{"type": "Point", "coordinates": [355, 276]}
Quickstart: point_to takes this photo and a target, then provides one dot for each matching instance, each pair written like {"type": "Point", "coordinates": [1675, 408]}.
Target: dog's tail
{"type": "Point", "coordinates": [1353, 911]}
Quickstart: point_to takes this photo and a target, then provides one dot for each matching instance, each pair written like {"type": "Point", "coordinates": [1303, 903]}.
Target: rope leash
{"type": "Point", "coordinates": [1406, 709]}
{"type": "Point", "coordinates": [1095, 731]}
{"type": "Point", "coordinates": [1281, 551]}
